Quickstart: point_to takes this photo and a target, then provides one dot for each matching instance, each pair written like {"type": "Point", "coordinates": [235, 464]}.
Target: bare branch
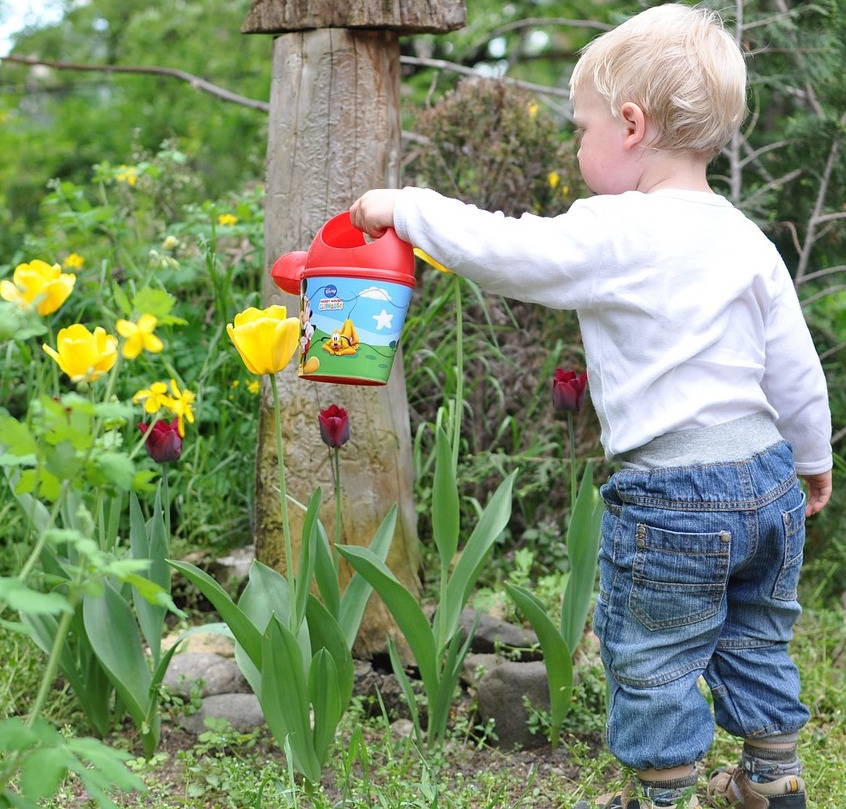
{"type": "Point", "coordinates": [841, 433]}
{"type": "Point", "coordinates": [794, 234]}
{"type": "Point", "coordinates": [762, 151]}
{"type": "Point", "coordinates": [823, 293]}
{"type": "Point", "coordinates": [785, 178]}
{"type": "Point", "coordinates": [829, 217]}
{"type": "Point", "coordinates": [442, 64]}
{"type": "Point", "coordinates": [537, 22]}
{"type": "Point", "coordinates": [195, 81]}
{"type": "Point", "coordinates": [822, 273]}
{"type": "Point", "coordinates": [774, 18]}
{"type": "Point", "coordinates": [830, 352]}
{"type": "Point", "coordinates": [810, 93]}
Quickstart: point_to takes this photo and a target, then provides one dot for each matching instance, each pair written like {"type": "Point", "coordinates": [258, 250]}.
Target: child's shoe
{"type": "Point", "coordinates": [734, 785]}
{"type": "Point", "coordinates": [652, 799]}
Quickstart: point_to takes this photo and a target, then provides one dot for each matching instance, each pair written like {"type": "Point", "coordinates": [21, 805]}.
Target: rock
{"type": "Point", "coordinates": [369, 681]}
{"type": "Point", "coordinates": [219, 674]}
{"type": "Point", "coordinates": [232, 571]}
{"type": "Point", "coordinates": [402, 728]}
{"type": "Point", "coordinates": [492, 631]}
{"type": "Point", "coordinates": [209, 642]}
{"type": "Point", "coordinates": [501, 692]}
{"type": "Point", "coordinates": [476, 666]}
{"type": "Point", "coordinates": [242, 711]}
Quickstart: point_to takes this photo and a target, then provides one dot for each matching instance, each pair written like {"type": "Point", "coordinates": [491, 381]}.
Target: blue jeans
{"type": "Point", "coordinates": [698, 571]}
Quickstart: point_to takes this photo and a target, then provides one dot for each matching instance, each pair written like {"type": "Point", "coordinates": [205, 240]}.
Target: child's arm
{"type": "Point", "coordinates": [552, 261]}
{"type": "Point", "coordinates": [795, 386]}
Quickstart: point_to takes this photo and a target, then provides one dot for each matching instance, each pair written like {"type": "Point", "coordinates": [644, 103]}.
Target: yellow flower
{"type": "Point", "coordinates": [429, 260]}
{"type": "Point", "coordinates": [226, 219]}
{"type": "Point", "coordinates": [155, 397]}
{"type": "Point", "coordinates": [254, 386]}
{"type": "Point", "coordinates": [265, 338]}
{"type": "Point", "coordinates": [84, 356]}
{"type": "Point", "coordinates": [565, 189]}
{"type": "Point", "coordinates": [129, 174]}
{"type": "Point", "coordinates": [533, 110]}
{"type": "Point", "coordinates": [180, 406]}
{"type": "Point", "coordinates": [38, 283]}
{"type": "Point", "coordinates": [139, 336]}
{"type": "Point", "coordinates": [553, 178]}
{"type": "Point", "coordinates": [170, 242]}
{"type": "Point", "coordinates": [74, 261]}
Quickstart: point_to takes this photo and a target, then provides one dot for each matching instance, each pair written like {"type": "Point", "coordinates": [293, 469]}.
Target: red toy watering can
{"type": "Point", "coordinates": [354, 296]}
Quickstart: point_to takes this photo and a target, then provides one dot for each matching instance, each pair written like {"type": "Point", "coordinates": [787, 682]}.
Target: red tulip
{"type": "Point", "coordinates": [568, 390]}
{"type": "Point", "coordinates": [334, 426]}
{"type": "Point", "coordinates": [164, 444]}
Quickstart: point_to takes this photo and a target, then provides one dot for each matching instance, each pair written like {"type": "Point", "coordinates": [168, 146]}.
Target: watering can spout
{"type": "Point", "coordinates": [287, 271]}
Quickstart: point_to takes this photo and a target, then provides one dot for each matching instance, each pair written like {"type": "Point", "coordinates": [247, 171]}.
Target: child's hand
{"type": "Point", "coordinates": [819, 491]}
{"type": "Point", "coordinates": [373, 211]}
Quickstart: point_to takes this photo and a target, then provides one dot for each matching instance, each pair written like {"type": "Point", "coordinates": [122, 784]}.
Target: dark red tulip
{"type": "Point", "coordinates": [334, 426]}
{"type": "Point", "coordinates": [164, 444]}
{"type": "Point", "coordinates": [568, 390]}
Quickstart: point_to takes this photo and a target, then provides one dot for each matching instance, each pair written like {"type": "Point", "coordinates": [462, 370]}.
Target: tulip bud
{"type": "Point", "coordinates": [334, 426]}
{"type": "Point", "coordinates": [568, 390]}
{"type": "Point", "coordinates": [164, 444]}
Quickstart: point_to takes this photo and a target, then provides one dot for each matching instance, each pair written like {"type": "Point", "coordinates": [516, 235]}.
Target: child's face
{"type": "Point", "coordinates": [605, 162]}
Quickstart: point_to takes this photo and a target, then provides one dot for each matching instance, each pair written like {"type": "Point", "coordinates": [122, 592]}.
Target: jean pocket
{"type": "Point", "coordinates": [787, 582]}
{"type": "Point", "coordinates": [677, 578]}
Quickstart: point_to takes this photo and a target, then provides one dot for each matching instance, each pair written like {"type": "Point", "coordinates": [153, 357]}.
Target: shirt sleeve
{"type": "Point", "coordinates": [794, 382]}
{"type": "Point", "coordinates": [551, 261]}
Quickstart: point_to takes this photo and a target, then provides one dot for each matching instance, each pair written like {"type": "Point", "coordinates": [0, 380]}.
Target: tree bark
{"type": "Point", "coordinates": [334, 133]}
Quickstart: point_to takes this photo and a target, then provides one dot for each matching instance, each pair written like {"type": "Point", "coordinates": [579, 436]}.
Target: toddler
{"type": "Point", "coordinates": [708, 390]}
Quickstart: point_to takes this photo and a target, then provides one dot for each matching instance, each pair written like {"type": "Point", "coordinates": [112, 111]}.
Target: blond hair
{"type": "Point", "coordinates": [680, 66]}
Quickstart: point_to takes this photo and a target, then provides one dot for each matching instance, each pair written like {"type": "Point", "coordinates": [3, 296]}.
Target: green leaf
{"type": "Point", "coordinates": [15, 736]}
{"type": "Point", "coordinates": [284, 697]}
{"type": "Point", "coordinates": [17, 439]}
{"type": "Point", "coordinates": [242, 627]}
{"type": "Point", "coordinates": [43, 771]}
{"type": "Point", "coordinates": [114, 636]}
{"type": "Point", "coordinates": [306, 566]}
{"type": "Point", "coordinates": [582, 549]}
{"type": "Point", "coordinates": [19, 324]}
{"type": "Point", "coordinates": [445, 509]}
{"type": "Point", "coordinates": [403, 607]}
{"type": "Point", "coordinates": [358, 589]}
{"type": "Point", "coordinates": [490, 525]}
{"type": "Point", "coordinates": [325, 572]}
{"type": "Point", "coordinates": [556, 656]}
{"type": "Point", "coordinates": [326, 634]}
{"type": "Point", "coordinates": [107, 763]}
{"type": "Point", "coordinates": [21, 598]}
{"type": "Point", "coordinates": [115, 467]}
{"type": "Point", "coordinates": [326, 699]}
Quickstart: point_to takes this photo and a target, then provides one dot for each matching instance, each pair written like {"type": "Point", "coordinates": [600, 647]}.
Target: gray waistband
{"type": "Point", "coordinates": [731, 441]}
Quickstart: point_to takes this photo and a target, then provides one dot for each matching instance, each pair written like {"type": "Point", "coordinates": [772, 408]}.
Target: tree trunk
{"type": "Point", "coordinates": [334, 133]}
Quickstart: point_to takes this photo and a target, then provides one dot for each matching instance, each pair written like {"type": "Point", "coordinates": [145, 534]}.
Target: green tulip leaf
{"type": "Point", "coordinates": [445, 508]}
{"type": "Point", "coordinates": [325, 571]}
{"type": "Point", "coordinates": [402, 605]}
{"type": "Point", "coordinates": [358, 589]}
{"type": "Point", "coordinates": [556, 655]}
{"type": "Point", "coordinates": [326, 634]}
{"type": "Point", "coordinates": [242, 627]}
{"type": "Point", "coordinates": [327, 701]}
{"type": "Point", "coordinates": [285, 699]}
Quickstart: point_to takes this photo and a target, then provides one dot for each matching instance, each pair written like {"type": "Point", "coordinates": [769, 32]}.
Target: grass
{"type": "Point", "coordinates": [374, 767]}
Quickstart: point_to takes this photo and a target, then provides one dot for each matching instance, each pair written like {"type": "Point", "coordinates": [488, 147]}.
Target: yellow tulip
{"type": "Point", "coordinates": [39, 283]}
{"type": "Point", "coordinates": [84, 356]}
{"type": "Point", "coordinates": [265, 338]}
{"type": "Point", "coordinates": [139, 336]}
{"type": "Point", "coordinates": [74, 261]}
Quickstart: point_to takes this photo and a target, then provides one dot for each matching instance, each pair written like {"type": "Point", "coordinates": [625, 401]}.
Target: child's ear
{"type": "Point", "coordinates": [634, 123]}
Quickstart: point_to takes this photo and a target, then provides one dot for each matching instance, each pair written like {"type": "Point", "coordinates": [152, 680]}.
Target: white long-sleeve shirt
{"type": "Point", "coordinates": [688, 314]}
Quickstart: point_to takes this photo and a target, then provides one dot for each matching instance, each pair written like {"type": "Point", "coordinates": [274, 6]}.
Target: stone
{"type": "Point", "coordinates": [501, 692]}
{"type": "Point", "coordinates": [402, 728]}
{"type": "Point", "coordinates": [220, 675]}
{"type": "Point", "coordinates": [476, 666]}
{"type": "Point", "coordinates": [209, 642]}
{"type": "Point", "coordinates": [492, 632]}
{"type": "Point", "coordinates": [233, 570]}
{"type": "Point", "coordinates": [242, 711]}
